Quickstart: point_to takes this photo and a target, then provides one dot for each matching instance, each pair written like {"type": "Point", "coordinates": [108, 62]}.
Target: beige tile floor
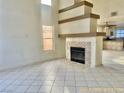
{"type": "Point", "coordinates": [61, 76]}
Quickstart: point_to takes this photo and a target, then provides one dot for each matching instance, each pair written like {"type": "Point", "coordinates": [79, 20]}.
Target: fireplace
{"type": "Point", "coordinates": [78, 54]}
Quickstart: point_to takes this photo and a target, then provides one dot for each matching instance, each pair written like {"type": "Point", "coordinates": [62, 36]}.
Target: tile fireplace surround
{"type": "Point", "coordinates": [86, 45]}
{"type": "Point", "coordinates": [90, 45]}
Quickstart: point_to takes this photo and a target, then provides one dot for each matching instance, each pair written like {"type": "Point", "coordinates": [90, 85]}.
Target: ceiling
{"type": "Point", "coordinates": [105, 10]}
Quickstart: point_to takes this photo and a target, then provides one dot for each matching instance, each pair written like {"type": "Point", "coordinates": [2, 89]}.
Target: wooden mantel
{"type": "Point", "coordinates": [91, 15]}
{"type": "Point", "coordinates": [91, 34]}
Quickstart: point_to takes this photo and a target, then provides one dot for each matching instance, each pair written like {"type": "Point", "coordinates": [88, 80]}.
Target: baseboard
{"type": "Point", "coordinates": [30, 64]}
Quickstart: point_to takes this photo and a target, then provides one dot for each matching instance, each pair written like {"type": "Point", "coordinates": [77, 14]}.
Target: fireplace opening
{"type": "Point", "coordinates": [78, 54]}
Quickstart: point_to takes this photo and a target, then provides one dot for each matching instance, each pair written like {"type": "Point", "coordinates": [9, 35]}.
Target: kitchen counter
{"type": "Point", "coordinates": [113, 44]}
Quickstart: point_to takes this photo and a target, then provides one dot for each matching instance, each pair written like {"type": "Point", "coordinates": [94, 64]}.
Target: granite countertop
{"type": "Point", "coordinates": [114, 40]}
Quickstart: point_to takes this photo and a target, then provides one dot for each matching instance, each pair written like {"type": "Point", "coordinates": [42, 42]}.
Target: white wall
{"type": "Point", "coordinates": [20, 29]}
{"type": "Point", "coordinates": [75, 12]}
{"type": "Point", "coordinates": [72, 13]}
{"type": "Point", "coordinates": [46, 15]}
{"type": "Point", "coordinates": [101, 7]}
{"type": "Point", "coordinates": [78, 26]}
{"type": "Point", "coordinates": [49, 16]}
{"type": "Point", "coordinates": [65, 3]}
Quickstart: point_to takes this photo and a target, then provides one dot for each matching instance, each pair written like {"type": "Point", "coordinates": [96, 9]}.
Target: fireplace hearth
{"type": "Point", "coordinates": [77, 54]}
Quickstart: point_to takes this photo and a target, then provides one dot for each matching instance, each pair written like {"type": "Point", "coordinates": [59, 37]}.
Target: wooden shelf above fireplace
{"type": "Point", "coordinates": [92, 34]}
{"type": "Point", "coordinates": [76, 5]}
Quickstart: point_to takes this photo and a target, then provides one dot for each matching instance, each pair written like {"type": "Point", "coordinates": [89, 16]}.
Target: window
{"type": "Point", "coordinates": [46, 2]}
{"type": "Point", "coordinates": [47, 37]}
{"type": "Point", "coordinates": [120, 33]}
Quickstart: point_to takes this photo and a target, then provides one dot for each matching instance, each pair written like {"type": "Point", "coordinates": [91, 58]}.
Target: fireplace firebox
{"type": "Point", "coordinates": [77, 54]}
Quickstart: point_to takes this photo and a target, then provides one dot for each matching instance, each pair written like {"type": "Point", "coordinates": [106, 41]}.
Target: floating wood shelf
{"type": "Point", "coordinates": [91, 34]}
{"type": "Point", "coordinates": [76, 5]}
{"type": "Point", "coordinates": [79, 18]}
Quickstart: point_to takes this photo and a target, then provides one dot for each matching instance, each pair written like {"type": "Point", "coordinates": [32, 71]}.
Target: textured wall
{"type": "Point", "coordinates": [20, 28]}
{"type": "Point", "coordinates": [20, 34]}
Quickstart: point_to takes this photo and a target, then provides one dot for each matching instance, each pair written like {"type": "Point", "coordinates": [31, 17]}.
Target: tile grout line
{"type": "Point", "coordinates": [53, 84]}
